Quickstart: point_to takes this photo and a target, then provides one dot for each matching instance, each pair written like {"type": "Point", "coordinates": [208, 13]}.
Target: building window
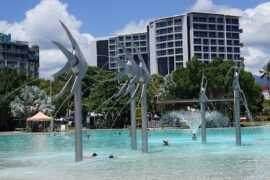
{"type": "Point", "coordinates": [236, 43]}
{"type": "Point", "coordinates": [228, 21]}
{"type": "Point", "coordinates": [222, 56]}
{"type": "Point", "coordinates": [197, 41]}
{"type": "Point", "coordinates": [179, 58]}
{"type": "Point", "coordinates": [128, 38]}
{"type": "Point", "coordinates": [236, 49]}
{"type": "Point", "coordinates": [135, 37]}
{"type": "Point", "coordinates": [161, 53]}
{"type": "Point", "coordinates": [178, 36]}
{"type": "Point", "coordinates": [179, 64]}
{"type": "Point", "coordinates": [236, 57]}
{"type": "Point", "coordinates": [128, 44]}
{"type": "Point", "coordinates": [212, 19]}
{"type": "Point", "coordinates": [220, 35]}
{"type": "Point", "coordinates": [200, 26]}
{"type": "Point", "coordinates": [143, 49]}
{"type": "Point", "coordinates": [198, 55]}
{"type": "Point", "coordinates": [161, 38]}
{"type": "Point", "coordinates": [235, 21]}
{"type": "Point", "coordinates": [220, 27]}
{"type": "Point", "coordinates": [205, 49]}
{"type": "Point", "coordinates": [212, 27]}
{"type": "Point", "coordinates": [221, 49]}
{"type": "Point", "coordinates": [161, 46]}
{"type": "Point", "coordinates": [161, 24]}
{"type": "Point", "coordinates": [213, 56]}
{"type": "Point", "coordinates": [229, 56]}
{"type": "Point", "coordinates": [206, 56]}
{"type": "Point", "coordinates": [197, 48]}
{"type": "Point", "coordinates": [213, 49]}
{"type": "Point", "coordinates": [112, 53]}
{"type": "Point", "coordinates": [177, 21]}
{"type": "Point", "coordinates": [170, 44]}
{"type": "Point", "coordinates": [178, 43]}
{"type": "Point", "coordinates": [143, 37]}
{"type": "Point", "coordinates": [205, 42]}
{"type": "Point", "coordinates": [178, 29]}
{"type": "Point", "coordinates": [229, 42]}
{"type": "Point", "coordinates": [178, 51]}
{"type": "Point", "coordinates": [112, 41]}
{"type": "Point", "coordinates": [235, 35]}
{"type": "Point", "coordinates": [143, 43]}
{"type": "Point", "coordinates": [229, 49]}
{"type": "Point", "coordinates": [200, 34]}
{"type": "Point", "coordinates": [220, 20]}
{"type": "Point", "coordinates": [120, 38]}
{"type": "Point", "coordinates": [212, 34]}
{"type": "Point", "coordinates": [170, 51]}
{"type": "Point", "coordinates": [213, 42]}
{"type": "Point", "coordinates": [221, 42]}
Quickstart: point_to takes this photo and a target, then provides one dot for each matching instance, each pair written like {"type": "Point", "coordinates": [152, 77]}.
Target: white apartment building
{"type": "Point", "coordinates": [170, 42]}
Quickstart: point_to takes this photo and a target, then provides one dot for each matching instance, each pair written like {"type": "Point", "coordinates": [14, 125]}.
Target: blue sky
{"type": "Point", "coordinates": [36, 21]}
{"type": "Point", "coordinates": [104, 17]}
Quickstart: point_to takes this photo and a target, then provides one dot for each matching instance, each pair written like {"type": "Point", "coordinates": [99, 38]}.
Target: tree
{"type": "Point", "coordinates": [266, 74]}
{"type": "Point", "coordinates": [29, 102]}
{"type": "Point", "coordinates": [11, 81]}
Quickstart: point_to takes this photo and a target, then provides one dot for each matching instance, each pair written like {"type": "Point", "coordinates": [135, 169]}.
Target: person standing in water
{"type": "Point", "coordinates": [194, 138]}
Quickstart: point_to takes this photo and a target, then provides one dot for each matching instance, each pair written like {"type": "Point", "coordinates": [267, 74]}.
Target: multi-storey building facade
{"type": "Point", "coordinates": [107, 49]}
{"type": "Point", "coordinates": [18, 55]}
{"type": "Point", "coordinates": [172, 41]}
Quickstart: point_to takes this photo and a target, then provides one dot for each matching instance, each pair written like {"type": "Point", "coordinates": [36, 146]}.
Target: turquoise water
{"type": "Point", "coordinates": [45, 156]}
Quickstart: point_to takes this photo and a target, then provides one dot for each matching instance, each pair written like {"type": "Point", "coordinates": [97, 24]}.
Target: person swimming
{"type": "Point", "coordinates": [194, 138]}
{"type": "Point", "coordinates": [91, 155]}
{"type": "Point", "coordinates": [111, 156]}
{"type": "Point", "coordinates": [165, 142]}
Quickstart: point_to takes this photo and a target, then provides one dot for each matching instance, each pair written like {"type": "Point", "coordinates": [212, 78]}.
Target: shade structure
{"type": "Point", "coordinates": [39, 117]}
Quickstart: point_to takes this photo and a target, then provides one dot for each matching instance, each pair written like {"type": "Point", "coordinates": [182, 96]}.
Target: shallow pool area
{"type": "Point", "coordinates": [45, 156]}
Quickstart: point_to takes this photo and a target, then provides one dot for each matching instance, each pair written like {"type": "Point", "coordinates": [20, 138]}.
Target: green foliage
{"type": "Point", "coordinates": [10, 80]}
{"type": "Point", "coordinates": [185, 83]}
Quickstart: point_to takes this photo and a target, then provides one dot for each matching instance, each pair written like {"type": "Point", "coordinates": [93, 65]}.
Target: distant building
{"type": "Point", "coordinates": [170, 42]}
{"type": "Point", "coordinates": [106, 49]}
{"type": "Point", "coordinates": [18, 55]}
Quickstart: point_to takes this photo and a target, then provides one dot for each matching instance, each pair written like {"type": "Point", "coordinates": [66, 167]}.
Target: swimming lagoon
{"type": "Point", "coordinates": [49, 156]}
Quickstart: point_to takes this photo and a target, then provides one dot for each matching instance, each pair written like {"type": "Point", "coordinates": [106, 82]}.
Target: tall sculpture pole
{"type": "Point", "coordinates": [236, 90]}
{"type": "Point", "coordinates": [133, 120]}
{"type": "Point", "coordinates": [138, 77]}
{"type": "Point", "coordinates": [203, 99]}
{"type": "Point", "coordinates": [78, 65]}
{"type": "Point", "coordinates": [144, 82]}
{"type": "Point", "coordinates": [78, 122]}
{"type": "Point", "coordinates": [144, 122]}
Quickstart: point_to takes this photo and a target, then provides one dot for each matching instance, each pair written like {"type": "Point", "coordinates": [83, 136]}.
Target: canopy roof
{"type": "Point", "coordinates": [39, 117]}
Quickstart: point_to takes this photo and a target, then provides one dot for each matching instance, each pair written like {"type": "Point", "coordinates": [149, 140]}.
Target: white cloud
{"type": "Point", "coordinates": [41, 25]}
{"type": "Point", "coordinates": [134, 27]}
{"type": "Point", "coordinates": [256, 25]}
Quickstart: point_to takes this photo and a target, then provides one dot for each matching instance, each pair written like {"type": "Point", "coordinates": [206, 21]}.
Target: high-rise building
{"type": "Point", "coordinates": [107, 48]}
{"type": "Point", "coordinates": [18, 55]}
{"type": "Point", "coordinates": [172, 41]}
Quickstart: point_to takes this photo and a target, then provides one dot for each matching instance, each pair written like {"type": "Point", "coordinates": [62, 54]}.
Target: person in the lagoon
{"type": "Point", "coordinates": [165, 142]}
{"type": "Point", "coordinates": [194, 138]}
{"type": "Point", "coordinates": [91, 155]}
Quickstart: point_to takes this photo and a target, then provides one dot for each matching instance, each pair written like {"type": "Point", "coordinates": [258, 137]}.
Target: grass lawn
{"type": "Point", "coordinates": [255, 123]}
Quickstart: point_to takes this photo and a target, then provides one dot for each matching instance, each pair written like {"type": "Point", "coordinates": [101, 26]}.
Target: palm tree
{"type": "Point", "coordinates": [29, 102]}
{"type": "Point", "coordinates": [265, 73]}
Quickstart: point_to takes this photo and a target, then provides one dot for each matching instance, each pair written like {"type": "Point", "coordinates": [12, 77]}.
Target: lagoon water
{"type": "Point", "coordinates": [45, 156]}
